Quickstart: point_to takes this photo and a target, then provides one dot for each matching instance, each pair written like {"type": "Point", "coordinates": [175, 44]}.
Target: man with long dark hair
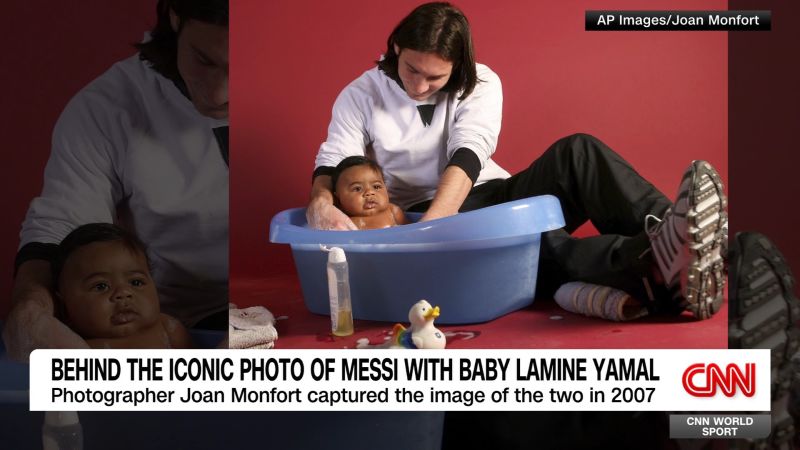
{"type": "Point", "coordinates": [144, 145]}
{"type": "Point", "coordinates": [431, 117]}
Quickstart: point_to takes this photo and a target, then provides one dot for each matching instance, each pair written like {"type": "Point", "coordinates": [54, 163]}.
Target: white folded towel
{"type": "Point", "coordinates": [250, 328]}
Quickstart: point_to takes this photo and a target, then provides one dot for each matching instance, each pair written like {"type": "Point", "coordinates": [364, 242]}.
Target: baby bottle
{"type": "Point", "coordinates": [62, 431]}
{"type": "Point", "coordinates": [339, 293]}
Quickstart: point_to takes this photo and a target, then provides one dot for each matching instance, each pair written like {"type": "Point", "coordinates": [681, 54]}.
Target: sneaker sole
{"type": "Point", "coordinates": [706, 216]}
{"type": "Point", "coordinates": [763, 314]}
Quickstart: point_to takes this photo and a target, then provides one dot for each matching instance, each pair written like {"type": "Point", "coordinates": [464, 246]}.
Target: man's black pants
{"type": "Point", "coordinates": [593, 183]}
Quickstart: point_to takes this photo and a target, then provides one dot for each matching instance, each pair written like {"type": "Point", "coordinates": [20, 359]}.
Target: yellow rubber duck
{"type": "Point", "coordinates": [421, 333]}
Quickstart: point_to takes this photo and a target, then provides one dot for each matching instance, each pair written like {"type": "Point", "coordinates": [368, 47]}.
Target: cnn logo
{"type": "Point", "coordinates": [702, 380]}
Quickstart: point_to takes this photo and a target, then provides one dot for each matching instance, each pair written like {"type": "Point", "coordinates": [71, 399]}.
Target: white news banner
{"type": "Point", "coordinates": [395, 380]}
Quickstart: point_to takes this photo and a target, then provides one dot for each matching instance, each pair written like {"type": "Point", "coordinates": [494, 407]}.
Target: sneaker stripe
{"type": "Point", "coordinates": [763, 279]}
{"type": "Point", "coordinates": [663, 261]}
{"type": "Point", "coordinates": [686, 244]}
{"type": "Point", "coordinates": [765, 312]}
{"type": "Point", "coordinates": [761, 314]}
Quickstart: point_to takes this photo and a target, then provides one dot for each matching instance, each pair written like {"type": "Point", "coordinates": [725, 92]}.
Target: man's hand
{"type": "Point", "coordinates": [324, 216]}
{"type": "Point", "coordinates": [321, 213]}
{"type": "Point", "coordinates": [31, 323]}
{"type": "Point", "coordinates": [433, 215]}
{"type": "Point", "coordinates": [27, 330]}
{"type": "Point", "coordinates": [454, 186]}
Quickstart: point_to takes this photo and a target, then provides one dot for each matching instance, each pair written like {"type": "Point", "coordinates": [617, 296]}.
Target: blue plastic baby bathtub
{"type": "Point", "coordinates": [21, 429]}
{"type": "Point", "coordinates": [475, 266]}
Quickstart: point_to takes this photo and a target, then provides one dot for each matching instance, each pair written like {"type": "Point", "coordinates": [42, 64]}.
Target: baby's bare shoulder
{"type": "Point", "coordinates": [399, 215]}
{"type": "Point", "coordinates": [177, 334]}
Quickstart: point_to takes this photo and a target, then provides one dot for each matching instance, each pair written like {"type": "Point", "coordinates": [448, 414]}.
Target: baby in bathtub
{"type": "Point", "coordinates": [105, 293]}
{"type": "Point", "coordinates": [360, 192]}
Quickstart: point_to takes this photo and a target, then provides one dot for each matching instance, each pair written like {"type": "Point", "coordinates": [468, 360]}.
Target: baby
{"type": "Point", "coordinates": [361, 194]}
{"type": "Point", "coordinates": [105, 293]}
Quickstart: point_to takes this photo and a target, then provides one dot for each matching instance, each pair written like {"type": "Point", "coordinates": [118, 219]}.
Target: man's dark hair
{"type": "Point", "coordinates": [438, 28]}
{"type": "Point", "coordinates": [161, 51]}
{"type": "Point", "coordinates": [91, 233]}
{"type": "Point", "coordinates": [352, 161]}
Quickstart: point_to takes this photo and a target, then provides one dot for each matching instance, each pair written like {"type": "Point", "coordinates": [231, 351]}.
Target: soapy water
{"type": "Point", "coordinates": [364, 343]}
{"type": "Point", "coordinates": [171, 325]}
{"type": "Point", "coordinates": [328, 217]}
{"type": "Point", "coordinates": [452, 336]}
{"type": "Point", "coordinates": [37, 330]}
{"type": "Point", "coordinates": [494, 253]}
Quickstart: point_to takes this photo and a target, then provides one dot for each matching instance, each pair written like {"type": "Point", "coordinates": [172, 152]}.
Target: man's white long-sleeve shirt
{"type": "Point", "coordinates": [131, 148]}
{"type": "Point", "coordinates": [374, 116]}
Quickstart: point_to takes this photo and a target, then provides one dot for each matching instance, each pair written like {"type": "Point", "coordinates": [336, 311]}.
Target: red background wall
{"type": "Point", "coordinates": [50, 51]}
{"type": "Point", "coordinates": [658, 98]}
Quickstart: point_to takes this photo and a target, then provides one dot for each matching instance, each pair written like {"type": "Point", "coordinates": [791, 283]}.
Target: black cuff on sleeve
{"type": "Point", "coordinates": [35, 250]}
{"type": "Point", "coordinates": [322, 170]}
{"type": "Point", "coordinates": [222, 133]}
{"type": "Point", "coordinates": [468, 161]}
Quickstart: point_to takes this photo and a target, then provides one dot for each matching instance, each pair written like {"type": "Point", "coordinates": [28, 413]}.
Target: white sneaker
{"type": "Point", "coordinates": [764, 313]}
{"type": "Point", "coordinates": [687, 242]}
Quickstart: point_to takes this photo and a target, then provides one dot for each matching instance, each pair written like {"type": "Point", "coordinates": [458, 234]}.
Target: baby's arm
{"type": "Point", "coordinates": [399, 216]}
{"type": "Point", "coordinates": [178, 334]}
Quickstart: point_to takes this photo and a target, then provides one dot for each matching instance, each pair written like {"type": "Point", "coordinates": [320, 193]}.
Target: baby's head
{"type": "Point", "coordinates": [359, 188]}
{"type": "Point", "coordinates": [103, 283]}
